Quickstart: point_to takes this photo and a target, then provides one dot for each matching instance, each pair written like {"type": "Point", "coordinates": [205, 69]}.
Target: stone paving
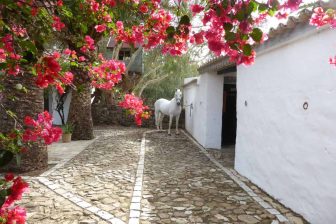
{"type": "Point", "coordinates": [44, 206]}
{"type": "Point", "coordinates": [104, 173]}
{"type": "Point", "coordinates": [129, 176]}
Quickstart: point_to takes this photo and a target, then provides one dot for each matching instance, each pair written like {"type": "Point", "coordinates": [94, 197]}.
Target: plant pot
{"type": "Point", "coordinates": [66, 137]}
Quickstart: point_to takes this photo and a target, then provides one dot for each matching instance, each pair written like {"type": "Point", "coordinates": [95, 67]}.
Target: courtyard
{"type": "Point", "coordinates": [138, 175]}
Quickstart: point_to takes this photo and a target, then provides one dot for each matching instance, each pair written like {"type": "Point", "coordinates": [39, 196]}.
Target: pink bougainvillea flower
{"type": "Point", "coordinates": [57, 24]}
{"type": "Point", "coordinates": [136, 108]}
{"type": "Point", "coordinates": [100, 28]}
{"type": "Point", "coordinates": [9, 177]}
{"type": "Point", "coordinates": [88, 45]}
{"type": "Point", "coordinates": [59, 3]}
{"type": "Point", "coordinates": [41, 129]}
{"type": "Point", "coordinates": [107, 74]}
{"type": "Point", "coordinates": [196, 9]}
{"type": "Point", "coordinates": [67, 51]}
{"type": "Point", "coordinates": [143, 9]}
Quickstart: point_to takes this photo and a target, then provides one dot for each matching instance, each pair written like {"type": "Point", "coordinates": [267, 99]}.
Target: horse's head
{"type": "Point", "coordinates": [178, 96]}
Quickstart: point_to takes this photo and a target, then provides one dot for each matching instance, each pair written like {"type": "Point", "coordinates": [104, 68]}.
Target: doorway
{"type": "Point", "coordinates": [229, 118]}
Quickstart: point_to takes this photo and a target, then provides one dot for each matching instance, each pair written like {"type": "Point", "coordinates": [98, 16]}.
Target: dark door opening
{"type": "Point", "coordinates": [229, 119]}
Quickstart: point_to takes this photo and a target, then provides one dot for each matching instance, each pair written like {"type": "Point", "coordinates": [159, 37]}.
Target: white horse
{"type": "Point", "coordinates": [172, 108]}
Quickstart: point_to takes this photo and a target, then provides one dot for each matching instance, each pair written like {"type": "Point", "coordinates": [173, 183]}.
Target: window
{"type": "Point", "coordinates": [124, 54]}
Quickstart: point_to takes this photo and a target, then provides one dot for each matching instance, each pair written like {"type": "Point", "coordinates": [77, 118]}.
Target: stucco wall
{"type": "Point", "coordinates": [188, 100]}
{"type": "Point", "coordinates": [286, 150]}
{"type": "Point", "coordinates": [207, 109]}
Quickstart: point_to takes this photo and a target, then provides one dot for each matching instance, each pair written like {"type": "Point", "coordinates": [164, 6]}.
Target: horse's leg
{"type": "Point", "coordinates": [160, 121]}
{"type": "Point", "coordinates": [177, 123]}
{"type": "Point", "coordinates": [170, 122]}
{"type": "Point", "coordinates": [157, 120]}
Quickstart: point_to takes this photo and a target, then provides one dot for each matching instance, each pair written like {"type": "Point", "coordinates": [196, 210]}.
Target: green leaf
{"type": "Point", "coordinates": [170, 31]}
{"type": "Point", "coordinates": [185, 20]}
{"type": "Point", "coordinates": [240, 15]}
{"type": "Point", "coordinates": [34, 71]}
{"type": "Point", "coordinates": [271, 12]}
{"type": "Point", "coordinates": [74, 64]}
{"type": "Point", "coordinates": [4, 193]}
{"type": "Point", "coordinates": [262, 7]}
{"type": "Point", "coordinates": [67, 12]}
{"type": "Point", "coordinates": [250, 7]}
{"type": "Point", "coordinates": [225, 4]}
{"type": "Point", "coordinates": [218, 11]}
{"type": "Point", "coordinates": [22, 60]}
{"type": "Point", "coordinates": [234, 46]}
{"type": "Point", "coordinates": [229, 36]}
{"type": "Point", "coordinates": [3, 66]}
{"type": "Point", "coordinates": [247, 49]}
{"type": "Point", "coordinates": [28, 45]}
{"type": "Point", "coordinates": [244, 36]}
{"type": "Point", "coordinates": [255, 5]}
{"type": "Point", "coordinates": [83, 28]}
{"type": "Point", "coordinates": [227, 26]}
{"type": "Point", "coordinates": [256, 34]}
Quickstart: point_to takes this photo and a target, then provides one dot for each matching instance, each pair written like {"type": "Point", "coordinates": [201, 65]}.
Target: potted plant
{"type": "Point", "coordinates": [67, 132]}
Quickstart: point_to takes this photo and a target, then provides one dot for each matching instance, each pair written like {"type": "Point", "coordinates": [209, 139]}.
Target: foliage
{"type": "Point", "coordinates": [67, 129]}
{"type": "Point", "coordinates": [163, 74]}
{"type": "Point", "coordinates": [11, 190]}
{"type": "Point", "coordinates": [136, 108]}
{"type": "Point", "coordinates": [229, 27]}
{"type": "Point", "coordinates": [14, 143]}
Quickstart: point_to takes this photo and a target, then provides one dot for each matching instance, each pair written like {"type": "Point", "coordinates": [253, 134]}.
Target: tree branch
{"type": "Point", "coordinates": [150, 82]}
{"type": "Point", "coordinates": [134, 55]}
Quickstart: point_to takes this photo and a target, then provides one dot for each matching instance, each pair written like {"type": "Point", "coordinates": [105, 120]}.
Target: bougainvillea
{"type": "Point", "coordinates": [321, 18]}
{"type": "Point", "coordinates": [228, 28]}
{"type": "Point", "coordinates": [11, 191]}
{"type": "Point", "coordinates": [49, 72]}
{"type": "Point", "coordinates": [41, 129]}
{"type": "Point", "coordinates": [107, 74]}
{"type": "Point", "coordinates": [135, 106]}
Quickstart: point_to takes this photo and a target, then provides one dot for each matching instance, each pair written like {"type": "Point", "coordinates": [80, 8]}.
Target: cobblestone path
{"type": "Point", "coordinates": [123, 177]}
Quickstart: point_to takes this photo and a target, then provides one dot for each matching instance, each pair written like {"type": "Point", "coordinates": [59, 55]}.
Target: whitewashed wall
{"type": "Point", "coordinates": [206, 122]}
{"type": "Point", "coordinates": [189, 90]}
{"type": "Point", "coordinates": [286, 150]}
{"type": "Point", "coordinates": [52, 105]}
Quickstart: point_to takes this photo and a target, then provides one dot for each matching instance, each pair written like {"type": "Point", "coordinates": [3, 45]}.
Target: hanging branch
{"type": "Point", "coordinates": [151, 82]}
{"type": "Point", "coordinates": [60, 105]}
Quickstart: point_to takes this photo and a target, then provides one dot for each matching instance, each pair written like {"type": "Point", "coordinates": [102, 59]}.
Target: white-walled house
{"type": "Point", "coordinates": [285, 116]}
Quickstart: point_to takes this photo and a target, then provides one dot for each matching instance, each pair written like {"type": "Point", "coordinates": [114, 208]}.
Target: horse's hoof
{"type": "Point", "coordinates": [169, 134]}
{"type": "Point", "coordinates": [177, 133]}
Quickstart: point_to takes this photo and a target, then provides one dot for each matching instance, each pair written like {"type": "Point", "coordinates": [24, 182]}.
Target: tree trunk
{"type": "Point", "coordinates": [25, 104]}
{"type": "Point", "coordinates": [80, 107]}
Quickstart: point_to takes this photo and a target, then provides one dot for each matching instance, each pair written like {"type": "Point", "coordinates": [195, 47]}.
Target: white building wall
{"type": "Point", "coordinates": [206, 122]}
{"type": "Point", "coordinates": [189, 99]}
{"type": "Point", "coordinates": [286, 150]}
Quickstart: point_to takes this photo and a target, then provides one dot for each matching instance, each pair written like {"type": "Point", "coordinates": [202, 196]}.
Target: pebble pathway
{"type": "Point", "coordinates": [138, 176]}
